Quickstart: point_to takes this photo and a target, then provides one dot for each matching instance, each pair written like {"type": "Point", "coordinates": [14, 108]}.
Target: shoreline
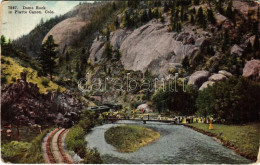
{"type": "Point", "coordinates": [224, 143]}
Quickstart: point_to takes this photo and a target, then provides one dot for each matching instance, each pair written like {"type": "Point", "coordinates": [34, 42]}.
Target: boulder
{"type": "Point", "coordinates": [217, 77]}
{"type": "Point", "coordinates": [96, 51]}
{"type": "Point", "coordinates": [200, 42]}
{"type": "Point", "coordinates": [225, 73]}
{"type": "Point", "coordinates": [236, 50]}
{"type": "Point", "coordinates": [252, 69]}
{"type": "Point", "coordinates": [227, 25]}
{"type": "Point", "coordinates": [220, 19]}
{"type": "Point", "coordinates": [144, 107]}
{"type": "Point", "coordinates": [206, 84]}
{"type": "Point", "coordinates": [244, 7]}
{"type": "Point", "coordinates": [198, 78]}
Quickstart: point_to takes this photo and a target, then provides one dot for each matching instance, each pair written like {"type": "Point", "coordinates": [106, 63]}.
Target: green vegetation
{"type": "Point", "coordinates": [75, 139]}
{"type": "Point", "coordinates": [24, 152]}
{"type": "Point", "coordinates": [243, 137]}
{"type": "Point", "coordinates": [235, 100]}
{"type": "Point", "coordinates": [11, 69]}
{"type": "Point", "coordinates": [48, 55]}
{"type": "Point", "coordinates": [181, 102]}
{"type": "Point", "coordinates": [129, 138]}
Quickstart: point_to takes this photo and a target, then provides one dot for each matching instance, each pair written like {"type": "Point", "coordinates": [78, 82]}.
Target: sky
{"type": "Point", "coordinates": [16, 25]}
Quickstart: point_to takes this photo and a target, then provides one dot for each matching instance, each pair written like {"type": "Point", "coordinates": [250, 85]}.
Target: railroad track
{"type": "Point", "coordinates": [54, 149]}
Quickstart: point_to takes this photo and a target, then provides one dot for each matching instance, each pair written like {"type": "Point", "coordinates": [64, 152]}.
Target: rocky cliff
{"type": "Point", "coordinates": [152, 47]}
{"type": "Point", "coordinates": [22, 102]}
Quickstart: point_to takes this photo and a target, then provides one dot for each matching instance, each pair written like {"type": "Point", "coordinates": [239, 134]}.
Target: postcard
{"type": "Point", "coordinates": [130, 82]}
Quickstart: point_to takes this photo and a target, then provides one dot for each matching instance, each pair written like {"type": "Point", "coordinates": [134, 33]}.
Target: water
{"type": "Point", "coordinates": [177, 144]}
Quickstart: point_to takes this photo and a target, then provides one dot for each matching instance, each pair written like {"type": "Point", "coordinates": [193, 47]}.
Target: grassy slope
{"type": "Point", "coordinates": [244, 137]}
{"type": "Point", "coordinates": [129, 138]}
{"type": "Point", "coordinates": [12, 69]}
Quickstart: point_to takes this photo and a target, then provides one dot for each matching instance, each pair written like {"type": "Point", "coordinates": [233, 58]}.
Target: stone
{"type": "Point", "coordinates": [198, 78]}
{"type": "Point", "coordinates": [206, 84]}
{"type": "Point", "coordinates": [200, 42]}
{"type": "Point", "coordinates": [96, 51]}
{"type": "Point", "coordinates": [144, 107]}
{"type": "Point", "coordinates": [220, 19]}
{"type": "Point", "coordinates": [217, 77]}
{"type": "Point", "coordinates": [225, 73]}
{"type": "Point", "coordinates": [236, 50]}
{"type": "Point", "coordinates": [252, 69]}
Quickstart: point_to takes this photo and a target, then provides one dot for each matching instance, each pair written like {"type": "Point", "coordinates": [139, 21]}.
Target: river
{"type": "Point", "coordinates": [177, 144]}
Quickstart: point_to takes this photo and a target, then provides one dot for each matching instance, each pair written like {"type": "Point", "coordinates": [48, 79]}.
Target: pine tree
{"type": "Point", "coordinates": [77, 67]}
{"type": "Point", "coordinates": [156, 13]}
{"type": "Point", "coordinates": [211, 17]}
{"type": "Point", "coordinates": [201, 16]}
{"type": "Point", "coordinates": [118, 55]}
{"type": "Point", "coordinates": [144, 17]}
{"type": "Point", "coordinates": [108, 34]}
{"type": "Point", "coordinates": [67, 56]}
{"type": "Point", "coordinates": [108, 51]}
{"type": "Point", "coordinates": [116, 22]}
{"type": "Point", "coordinates": [192, 19]}
{"type": "Point", "coordinates": [150, 14]}
{"type": "Point", "coordinates": [3, 40]}
{"type": "Point", "coordinates": [48, 55]}
{"type": "Point", "coordinates": [114, 6]}
{"type": "Point", "coordinates": [196, 2]}
{"type": "Point", "coordinates": [226, 41]}
{"type": "Point", "coordinates": [229, 12]}
{"type": "Point", "coordinates": [186, 63]}
{"type": "Point", "coordinates": [166, 7]}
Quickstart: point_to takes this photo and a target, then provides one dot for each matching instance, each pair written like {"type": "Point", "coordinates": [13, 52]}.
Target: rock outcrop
{"type": "Point", "coordinates": [22, 102]}
{"type": "Point", "coordinates": [152, 47]}
{"type": "Point", "coordinates": [144, 107]}
{"type": "Point", "coordinates": [252, 69]}
{"type": "Point", "coordinates": [236, 50]}
{"type": "Point", "coordinates": [217, 77]}
{"type": "Point", "coordinates": [67, 31]}
{"type": "Point", "coordinates": [198, 78]}
{"type": "Point", "coordinates": [225, 73]}
{"type": "Point", "coordinates": [206, 84]}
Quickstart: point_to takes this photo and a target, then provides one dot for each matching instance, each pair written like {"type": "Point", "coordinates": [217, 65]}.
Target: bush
{"type": "Point", "coordinates": [180, 101]}
{"type": "Point", "coordinates": [14, 151]}
{"type": "Point", "coordinates": [45, 82]}
{"type": "Point", "coordinates": [236, 100]}
{"type": "Point", "coordinates": [3, 79]}
{"type": "Point", "coordinates": [23, 152]}
{"type": "Point", "coordinates": [92, 156]}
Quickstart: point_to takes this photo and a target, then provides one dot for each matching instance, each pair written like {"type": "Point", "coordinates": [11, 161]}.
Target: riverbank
{"type": "Point", "coordinates": [243, 139]}
{"type": "Point", "coordinates": [129, 138]}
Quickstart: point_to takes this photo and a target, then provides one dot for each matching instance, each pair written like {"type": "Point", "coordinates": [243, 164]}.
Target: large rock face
{"type": "Point", "coordinates": [252, 69]}
{"type": "Point", "coordinates": [67, 31]}
{"type": "Point", "coordinates": [198, 78]}
{"type": "Point", "coordinates": [152, 47]}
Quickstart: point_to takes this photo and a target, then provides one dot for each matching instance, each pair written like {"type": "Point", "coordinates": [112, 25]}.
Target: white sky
{"type": "Point", "coordinates": [15, 25]}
